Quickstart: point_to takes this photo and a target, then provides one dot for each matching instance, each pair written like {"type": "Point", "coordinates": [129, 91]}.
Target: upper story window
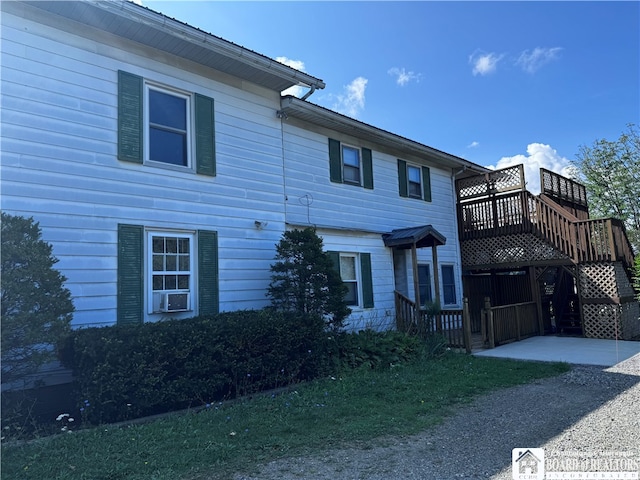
{"type": "Point", "coordinates": [351, 165]}
{"type": "Point", "coordinates": [161, 125]}
{"type": "Point", "coordinates": [414, 181]}
{"type": "Point", "coordinates": [168, 133]}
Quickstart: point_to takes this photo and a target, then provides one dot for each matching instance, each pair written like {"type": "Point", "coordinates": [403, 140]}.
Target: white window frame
{"type": "Point", "coordinates": [152, 298]}
{"type": "Point", "coordinates": [359, 152]}
{"type": "Point", "coordinates": [358, 280]}
{"type": "Point", "coordinates": [188, 97]}
{"type": "Point", "coordinates": [455, 286]}
{"type": "Point", "coordinates": [409, 182]}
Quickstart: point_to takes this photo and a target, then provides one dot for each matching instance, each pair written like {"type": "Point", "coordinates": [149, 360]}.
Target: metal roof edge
{"type": "Point", "coordinates": [128, 10]}
{"type": "Point", "coordinates": [292, 105]}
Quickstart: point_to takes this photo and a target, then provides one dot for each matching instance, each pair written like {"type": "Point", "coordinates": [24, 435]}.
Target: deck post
{"type": "Point", "coordinates": [466, 325]}
{"type": "Point", "coordinates": [416, 284]}
{"type": "Point", "coordinates": [536, 297]}
{"type": "Point", "coordinates": [490, 330]}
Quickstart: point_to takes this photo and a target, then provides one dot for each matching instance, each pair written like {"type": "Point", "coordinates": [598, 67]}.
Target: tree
{"type": "Point", "coordinates": [610, 171]}
{"type": "Point", "coordinates": [304, 278]}
{"type": "Point", "coordinates": [36, 309]}
{"type": "Point", "coordinates": [636, 278]}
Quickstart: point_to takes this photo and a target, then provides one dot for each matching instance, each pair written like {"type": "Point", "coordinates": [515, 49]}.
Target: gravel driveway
{"type": "Point", "coordinates": [588, 413]}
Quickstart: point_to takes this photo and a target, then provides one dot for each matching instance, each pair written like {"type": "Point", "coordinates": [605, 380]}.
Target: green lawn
{"type": "Point", "coordinates": [355, 407]}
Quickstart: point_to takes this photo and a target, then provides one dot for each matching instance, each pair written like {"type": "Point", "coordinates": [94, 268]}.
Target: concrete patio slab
{"type": "Point", "coordinates": [574, 350]}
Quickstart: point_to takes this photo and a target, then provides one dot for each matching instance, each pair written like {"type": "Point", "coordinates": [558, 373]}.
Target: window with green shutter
{"type": "Point", "coordinates": [355, 272]}
{"type": "Point", "coordinates": [414, 181]}
{"type": "Point", "coordinates": [350, 165]}
{"type": "Point", "coordinates": [181, 272]}
{"type": "Point", "coordinates": [160, 125]}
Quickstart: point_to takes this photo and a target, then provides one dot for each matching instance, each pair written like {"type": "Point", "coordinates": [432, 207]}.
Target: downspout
{"type": "Point", "coordinates": [454, 198]}
{"type": "Point", "coordinates": [309, 93]}
{"type": "Point", "coordinates": [282, 115]}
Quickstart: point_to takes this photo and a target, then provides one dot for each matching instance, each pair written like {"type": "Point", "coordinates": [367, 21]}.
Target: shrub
{"type": "Point", "coordinates": [374, 350]}
{"type": "Point", "coordinates": [305, 280]}
{"type": "Point", "coordinates": [123, 372]}
{"type": "Point", "coordinates": [35, 308]}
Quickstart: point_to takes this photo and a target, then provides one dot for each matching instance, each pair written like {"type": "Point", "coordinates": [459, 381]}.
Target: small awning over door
{"type": "Point", "coordinates": [405, 238]}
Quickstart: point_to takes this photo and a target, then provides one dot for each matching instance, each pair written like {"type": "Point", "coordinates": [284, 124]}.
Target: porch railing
{"type": "Point", "coordinates": [454, 325]}
{"type": "Point", "coordinates": [509, 323]}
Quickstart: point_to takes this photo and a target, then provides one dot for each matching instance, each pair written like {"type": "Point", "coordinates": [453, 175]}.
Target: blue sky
{"type": "Point", "coordinates": [496, 83]}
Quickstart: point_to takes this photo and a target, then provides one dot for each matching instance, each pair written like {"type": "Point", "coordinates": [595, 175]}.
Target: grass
{"type": "Point", "coordinates": [357, 407]}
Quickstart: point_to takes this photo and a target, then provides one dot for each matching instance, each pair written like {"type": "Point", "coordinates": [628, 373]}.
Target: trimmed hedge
{"type": "Point", "coordinates": [125, 372]}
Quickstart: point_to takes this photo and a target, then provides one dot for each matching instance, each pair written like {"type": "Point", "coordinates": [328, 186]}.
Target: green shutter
{"type": "Point", "coordinates": [335, 258]}
{"type": "Point", "coordinates": [367, 168]}
{"type": "Point", "coordinates": [208, 293]}
{"type": "Point", "coordinates": [367, 280]}
{"type": "Point", "coordinates": [205, 136]}
{"type": "Point", "coordinates": [402, 178]}
{"type": "Point", "coordinates": [129, 117]}
{"type": "Point", "coordinates": [335, 161]}
{"type": "Point", "coordinates": [426, 183]}
{"type": "Point", "coordinates": [130, 274]}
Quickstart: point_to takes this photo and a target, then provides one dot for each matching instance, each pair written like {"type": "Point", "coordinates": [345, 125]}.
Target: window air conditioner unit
{"type": "Point", "coordinates": [174, 302]}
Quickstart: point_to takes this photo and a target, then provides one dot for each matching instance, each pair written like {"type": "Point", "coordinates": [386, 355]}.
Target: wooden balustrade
{"type": "Point", "coordinates": [454, 325]}
{"type": "Point", "coordinates": [521, 212]}
{"type": "Point", "coordinates": [507, 323]}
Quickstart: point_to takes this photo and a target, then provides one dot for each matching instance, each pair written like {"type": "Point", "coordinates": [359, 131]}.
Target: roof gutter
{"type": "Point", "coordinates": [195, 35]}
{"type": "Point", "coordinates": [295, 107]}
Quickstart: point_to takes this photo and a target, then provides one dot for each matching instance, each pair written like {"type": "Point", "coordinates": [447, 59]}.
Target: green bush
{"type": "Point", "coordinates": [35, 307]}
{"type": "Point", "coordinates": [305, 279]}
{"type": "Point", "coordinates": [374, 350]}
{"type": "Point", "coordinates": [124, 372]}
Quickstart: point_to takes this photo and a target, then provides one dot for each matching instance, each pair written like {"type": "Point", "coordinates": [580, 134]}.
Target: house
{"type": "Point", "coordinates": [163, 166]}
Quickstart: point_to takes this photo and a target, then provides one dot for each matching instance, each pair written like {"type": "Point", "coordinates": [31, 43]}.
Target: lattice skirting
{"type": "Point", "coordinates": [505, 250]}
{"type": "Point", "coordinates": [611, 321]}
{"type": "Point", "coordinates": [598, 280]}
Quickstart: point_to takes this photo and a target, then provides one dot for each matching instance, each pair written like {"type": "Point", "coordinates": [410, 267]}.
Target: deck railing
{"type": "Point", "coordinates": [522, 212]}
{"type": "Point", "coordinates": [509, 323]}
{"type": "Point", "coordinates": [454, 325]}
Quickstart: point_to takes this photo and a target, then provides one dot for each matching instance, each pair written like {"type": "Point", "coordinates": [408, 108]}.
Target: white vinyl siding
{"type": "Point", "coordinates": [59, 162]}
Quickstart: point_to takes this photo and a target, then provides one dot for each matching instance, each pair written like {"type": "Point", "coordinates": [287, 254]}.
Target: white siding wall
{"type": "Point", "coordinates": [59, 165]}
{"type": "Point", "coordinates": [382, 315]}
{"type": "Point", "coordinates": [312, 199]}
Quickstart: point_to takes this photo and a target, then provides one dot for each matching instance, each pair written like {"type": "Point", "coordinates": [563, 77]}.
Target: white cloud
{"type": "Point", "coordinates": [538, 156]}
{"type": "Point", "coordinates": [531, 62]}
{"type": "Point", "coordinates": [351, 101]}
{"type": "Point", "coordinates": [473, 144]}
{"type": "Point", "coordinates": [296, 91]}
{"type": "Point", "coordinates": [139, 2]}
{"type": "Point", "coordinates": [403, 77]}
{"type": "Point", "coordinates": [484, 63]}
